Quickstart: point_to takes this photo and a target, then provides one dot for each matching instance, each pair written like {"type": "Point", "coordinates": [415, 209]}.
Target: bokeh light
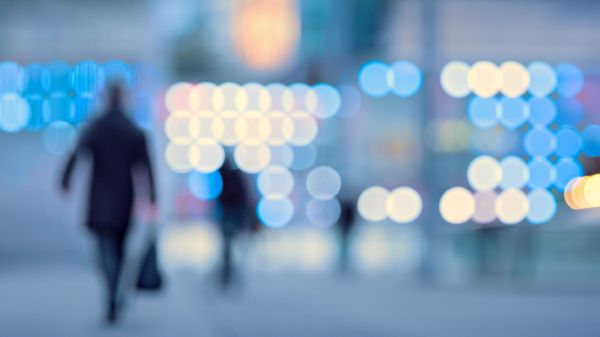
{"type": "Point", "coordinates": [566, 170]}
{"type": "Point", "coordinates": [515, 172]}
{"type": "Point", "coordinates": [282, 155]}
{"type": "Point", "coordinates": [374, 79]}
{"type": "Point", "coordinates": [570, 111]}
{"type": "Point", "coordinates": [539, 141]}
{"type": "Point", "coordinates": [323, 183]}
{"type": "Point", "coordinates": [305, 128]}
{"type": "Point", "coordinates": [38, 80]}
{"type": "Point", "coordinates": [177, 157]}
{"type": "Point", "coordinates": [275, 213]}
{"type": "Point", "coordinates": [542, 173]}
{"type": "Point", "coordinates": [60, 73]}
{"type": "Point", "coordinates": [570, 79]}
{"type": "Point", "coordinates": [403, 205]}
{"type": "Point", "coordinates": [205, 186]}
{"type": "Point", "coordinates": [485, 207]}
{"type": "Point", "coordinates": [13, 78]}
{"type": "Point", "coordinates": [329, 101]}
{"type": "Point", "coordinates": [512, 206]}
{"type": "Point", "coordinates": [372, 203]}
{"type": "Point", "coordinates": [454, 79]}
{"type": "Point", "coordinates": [484, 79]}
{"type": "Point", "coordinates": [515, 79]}
{"type": "Point", "coordinates": [542, 79]}
{"type": "Point", "coordinates": [323, 213]}
{"type": "Point", "coordinates": [591, 191]}
{"type": "Point", "coordinates": [591, 140]}
{"type": "Point", "coordinates": [542, 206]}
{"type": "Point", "coordinates": [405, 78]}
{"type": "Point", "coordinates": [457, 205]}
{"type": "Point", "coordinates": [59, 138]}
{"type": "Point", "coordinates": [483, 112]}
{"type": "Point", "coordinates": [484, 173]}
{"type": "Point", "coordinates": [206, 156]}
{"type": "Point", "coordinates": [87, 78]}
{"type": "Point", "coordinates": [542, 111]}
{"type": "Point", "coordinates": [568, 142]}
{"type": "Point", "coordinates": [252, 158]}
{"type": "Point", "coordinates": [14, 112]}
{"type": "Point", "coordinates": [513, 112]}
{"type": "Point", "coordinates": [275, 182]}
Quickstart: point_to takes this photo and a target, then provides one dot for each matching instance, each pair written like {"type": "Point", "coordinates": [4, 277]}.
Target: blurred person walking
{"type": "Point", "coordinates": [346, 228]}
{"type": "Point", "coordinates": [234, 215]}
{"type": "Point", "coordinates": [118, 150]}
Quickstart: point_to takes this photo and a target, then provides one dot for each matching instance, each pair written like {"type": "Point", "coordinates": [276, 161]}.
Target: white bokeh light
{"type": "Point", "coordinates": [404, 205]}
{"type": "Point", "coordinates": [372, 203]}
{"type": "Point", "coordinates": [512, 206]}
{"type": "Point", "coordinates": [275, 182]}
{"type": "Point", "coordinates": [455, 79]}
{"type": "Point", "coordinates": [323, 183]}
{"type": "Point", "coordinates": [457, 205]}
{"type": "Point", "coordinates": [484, 79]}
{"type": "Point", "coordinates": [484, 173]}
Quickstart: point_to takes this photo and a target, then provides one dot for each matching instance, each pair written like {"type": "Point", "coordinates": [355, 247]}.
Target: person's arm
{"type": "Point", "coordinates": [81, 147]}
{"type": "Point", "coordinates": [144, 162]}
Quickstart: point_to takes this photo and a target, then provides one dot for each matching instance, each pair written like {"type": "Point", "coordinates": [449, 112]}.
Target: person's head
{"type": "Point", "coordinates": [115, 96]}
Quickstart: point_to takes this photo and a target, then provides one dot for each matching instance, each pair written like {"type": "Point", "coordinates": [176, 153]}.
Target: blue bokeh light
{"type": "Point", "coordinates": [329, 102]}
{"type": "Point", "coordinates": [12, 77]}
{"type": "Point", "coordinates": [60, 73]}
{"type": "Point", "coordinates": [570, 79]}
{"type": "Point", "coordinates": [542, 173]}
{"type": "Point", "coordinates": [205, 186]}
{"type": "Point", "coordinates": [570, 111]}
{"type": "Point", "coordinates": [14, 112]}
{"type": "Point", "coordinates": [60, 108]}
{"type": "Point", "coordinates": [87, 78]}
{"type": "Point", "coordinates": [539, 141]}
{"type": "Point", "coordinates": [513, 112]}
{"type": "Point", "coordinates": [406, 78]}
{"type": "Point", "coordinates": [59, 137]}
{"type": "Point", "coordinates": [542, 206]}
{"type": "Point", "coordinates": [483, 112]}
{"type": "Point", "coordinates": [515, 172]}
{"type": "Point", "coordinates": [84, 108]}
{"type": "Point", "coordinates": [373, 79]}
{"type": "Point", "coordinates": [38, 80]}
{"type": "Point", "coordinates": [542, 111]}
{"type": "Point", "coordinates": [591, 140]}
{"type": "Point", "coordinates": [568, 142]}
{"type": "Point", "coordinates": [37, 118]}
{"type": "Point", "coordinates": [566, 170]}
{"type": "Point", "coordinates": [542, 79]}
{"type": "Point", "coordinates": [275, 213]}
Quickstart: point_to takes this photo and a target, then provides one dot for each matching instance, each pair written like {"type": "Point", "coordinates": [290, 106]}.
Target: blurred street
{"type": "Point", "coordinates": [65, 300]}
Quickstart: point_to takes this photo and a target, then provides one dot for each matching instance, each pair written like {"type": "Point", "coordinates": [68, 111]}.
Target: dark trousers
{"type": "Point", "coordinates": [111, 248]}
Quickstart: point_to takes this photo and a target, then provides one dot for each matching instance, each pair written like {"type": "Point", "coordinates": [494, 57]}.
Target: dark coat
{"type": "Point", "coordinates": [116, 147]}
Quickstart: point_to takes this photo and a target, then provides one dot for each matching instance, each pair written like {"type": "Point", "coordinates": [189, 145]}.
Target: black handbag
{"type": "Point", "coordinates": [149, 276]}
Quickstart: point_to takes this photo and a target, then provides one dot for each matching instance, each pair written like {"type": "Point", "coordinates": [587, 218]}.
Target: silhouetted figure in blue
{"type": "Point", "coordinates": [117, 149]}
{"type": "Point", "coordinates": [346, 227]}
{"type": "Point", "coordinates": [234, 215]}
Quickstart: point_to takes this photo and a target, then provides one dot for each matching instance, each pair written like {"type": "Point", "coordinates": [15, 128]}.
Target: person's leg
{"type": "Point", "coordinates": [111, 247]}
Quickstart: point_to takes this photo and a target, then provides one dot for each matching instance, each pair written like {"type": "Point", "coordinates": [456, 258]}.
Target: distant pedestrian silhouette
{"type": "Point", "coordinates": [346, 227]}
{"type": "Point", "coordinates": [234, 216]}
{"type": "Point", "coordinates": [116, 148]}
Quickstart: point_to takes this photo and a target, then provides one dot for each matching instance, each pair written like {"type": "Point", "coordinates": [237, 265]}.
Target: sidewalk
{"type": "Point", "coordinates": [63, 300]}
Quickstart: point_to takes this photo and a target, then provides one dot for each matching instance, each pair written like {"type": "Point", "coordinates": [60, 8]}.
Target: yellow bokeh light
{"type": "Point", "coordinates": [201, 96]}
{"type": "Point", "coordinates": [206, 155]}
{"type": "Point", "coordinates": [457, 205]}
{"type": "Point", "coordinates": [224, 127]}
{"type": "Point", "coordinates": [591, 191]}
{"type": "Point", "coordinates": [258, 97]}
{"type": "Point", "coordinates": [282, 128]}
{"type": "Point", "coordinates": [484, 173]}
{"type": "Point", "coordinates": [252, 158]}
{"type": "Point", "coordinates": [403, 205]}
{"type": "Point", "coordinates": [266, 32]}
{"type": "Point", "coordinates": [372, 203]}
{"type": "Point", "coordinates": [282, 98]}
{"type": "Point", "coordinates": [177, 157]}
{"type": "Point", "coordinates": [484, 79]}
{"type": "Point", "coordinates": [515, 79]}
{"type": "Point", "coordinates": [578, 193]}
{"type": "Point", "coordinates": [178, 128]}
{"type": "Point", "coordinates": [305, 128]}
{"type": "Point", "coordinates": [253, 128]}
{"type": "Point", "coordinates": [512, 206]}
{"type": "Point", "coordinates": [569, 193]}
{"type": "Point", "coordinates": [177, 96]}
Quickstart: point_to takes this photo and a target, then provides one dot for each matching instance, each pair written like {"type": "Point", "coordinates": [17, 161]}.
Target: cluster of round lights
{"type": "Point", "coordinates": [402, 205]}
{"type": "Point", "coordinates": [262, 122]}
{"type": "Point", "coordinates": [323, 183]}
{"type": "Point", "coordinates": [402, 78]}
{"type": "Point", "coordinates": [511, 206]}
{"type": "Point", "coordinates": [36, 95]}
{"type": "Point", "coordinates": [583, 192]}
{"type": "Point", "coordinates": [511, 79]}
